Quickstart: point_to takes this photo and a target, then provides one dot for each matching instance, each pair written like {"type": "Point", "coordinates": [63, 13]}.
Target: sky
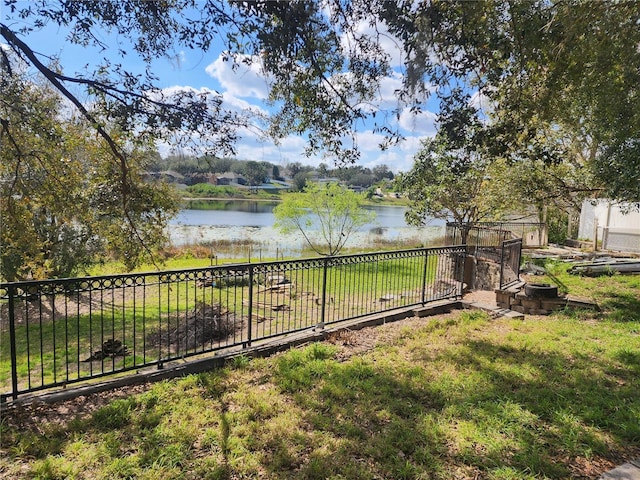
{"type": "Point", "coordinates": [246, 87]}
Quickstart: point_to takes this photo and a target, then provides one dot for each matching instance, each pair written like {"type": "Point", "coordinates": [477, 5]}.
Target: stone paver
{"type": "Point", "coordinates": [628, 471]}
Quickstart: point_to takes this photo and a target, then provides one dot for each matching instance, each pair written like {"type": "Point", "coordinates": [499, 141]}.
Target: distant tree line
{"type": "Point", "coordinates": [260, 172]}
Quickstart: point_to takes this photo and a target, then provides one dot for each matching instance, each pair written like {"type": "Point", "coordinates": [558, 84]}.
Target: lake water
{"type": "Point", "coordinates": [252, 222]}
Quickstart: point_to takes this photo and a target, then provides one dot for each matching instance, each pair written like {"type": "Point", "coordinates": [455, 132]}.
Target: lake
{"type": "Point", "coordinates": [251, 222]}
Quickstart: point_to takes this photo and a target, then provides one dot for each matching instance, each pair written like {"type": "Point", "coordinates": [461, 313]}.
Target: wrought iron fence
{"type": "Point", "coordinates": [58, 332]}
{"type": "Point", "coordinates": [476, 236]}
{"type": "Point", "coordinates": [510, 255]}
{"type": "Point", "coordinates": [497, 242]}
{"type": "Point", "coordinates": [486, 234]}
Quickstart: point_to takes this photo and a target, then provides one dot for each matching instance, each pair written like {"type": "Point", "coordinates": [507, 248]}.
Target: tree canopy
{"type": "Point", "coordinates": [60, 209]}
{"type": "Point", "coordinates": [450, 175]}
{"type": "Point", "coordinates": [571, 63]}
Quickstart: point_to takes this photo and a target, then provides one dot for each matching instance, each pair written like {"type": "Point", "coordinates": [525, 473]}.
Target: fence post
{"type": "Point", "coordinates": [501, 263]}
{"type": "Point", "coordinates": [250, 326]}
{"type": "Point", "coordinates": [424, 275]}
{"type": "Point", "coordinates": [462, 266]}
{"type": "Point", "coordinates": [517, 263]}
{"type": "Point", "coordinates": [325, 265]}
{"type": "Point", "coordinates": [12, 339]}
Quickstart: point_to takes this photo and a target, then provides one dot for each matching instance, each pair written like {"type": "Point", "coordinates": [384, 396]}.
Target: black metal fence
{"type": "Point", "coordinates": [57, 332]}
{"type": "Point", "coordinates": [487, 234]}
{"type": "Point", "coordinates": [476, 236]}
{"type": "Point", "coordinates": [510, 256]}
{"type": "Point", "coordinates": [497, 242]}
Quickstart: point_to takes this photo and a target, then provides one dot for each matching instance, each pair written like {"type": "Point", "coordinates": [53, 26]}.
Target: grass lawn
{"type": "Point", "coordinates": [455, 396]}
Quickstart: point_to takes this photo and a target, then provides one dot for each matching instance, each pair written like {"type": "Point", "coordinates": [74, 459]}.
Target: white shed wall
{"type": "Point", "coordinates": [619, 230]}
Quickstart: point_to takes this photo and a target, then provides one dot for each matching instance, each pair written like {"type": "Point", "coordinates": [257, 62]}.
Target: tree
{"type": "Point", "coordinates": [323, 170]}
{"type": "Point", "coordinates": [449, 178]}
{"type": "Point", "coordinates": [254, 172]}
{"type": "Point", "coordinates": [294, 168]}
{"type": "Point", "coordinates": [443, 184]}
{"type": "Point", "coordinates": [300, 181]}
{"type": "Point", "coordinates": [58, 202]}
{"type": "Point", "coordinates": [551, 190]}
{"type": "Point", "coordinates": [381, 172]}
{"type": "Point", "coordinates": [572, 64]}
{"type": "Point", "coordinates": [217, 165]}
{"type": "Point", "coordinates": [362, 179]}
{"type": "Point", "coordinates": [334, 211]}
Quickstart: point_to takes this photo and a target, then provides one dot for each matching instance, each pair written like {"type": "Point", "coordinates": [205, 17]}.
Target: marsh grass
{"type": "Point", "coordinates": [460, 395]}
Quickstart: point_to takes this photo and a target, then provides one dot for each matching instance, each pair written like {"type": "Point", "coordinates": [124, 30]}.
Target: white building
{"type": "Point", "coordinates": [616, 225]}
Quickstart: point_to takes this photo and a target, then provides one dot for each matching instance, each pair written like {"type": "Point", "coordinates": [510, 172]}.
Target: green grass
{"type": "Point", "coordinates": [617, 293]}
{"type": "Point", "coordinates": [460, 395]}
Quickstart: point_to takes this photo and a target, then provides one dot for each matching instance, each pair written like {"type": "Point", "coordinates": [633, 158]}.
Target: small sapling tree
{"type": "Point", "coordinates": [333, 211]}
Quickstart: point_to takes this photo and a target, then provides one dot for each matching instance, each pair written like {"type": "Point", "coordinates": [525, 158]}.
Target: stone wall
{"type": "Point", "coordinates": [481, 274]}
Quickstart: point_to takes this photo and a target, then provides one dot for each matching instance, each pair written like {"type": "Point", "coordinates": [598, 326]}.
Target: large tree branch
{"type": "Point", "coordinates": [21, 49]}
{"type": "Point", "coordinates": [56, 80]}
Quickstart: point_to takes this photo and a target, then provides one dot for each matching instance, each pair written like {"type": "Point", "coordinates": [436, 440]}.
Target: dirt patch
{"type": "Point", "coordinates": [487, 297]}
{"type": "Point", "coordinates": [37, 415]}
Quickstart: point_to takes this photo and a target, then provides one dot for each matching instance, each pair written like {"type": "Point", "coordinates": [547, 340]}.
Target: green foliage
{"type": "Point", "coordinates": [449, 176]}
{"type": "Point", "coordinates": [132, 220]}
{"type": "Point", "coordinates": [255, 172]}
{"type": "Point", "coordinates": [208, 190]}
{"type": "Point", "coordinates": [61, 206]}
{"type": "Point", "coordinates": [585, 90]}
{"type": "Point", "coordinates": [556, 221]}
{"type": "Point", "coordinates": [335, 211]}
{"type": "Point", "coordinates": [570, 66]}
{"type": "Point", "coordinates": [299, 182]}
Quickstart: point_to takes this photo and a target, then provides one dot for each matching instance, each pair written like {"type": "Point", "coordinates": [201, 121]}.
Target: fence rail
{"type": "Point", "coordinates": [58, 332]}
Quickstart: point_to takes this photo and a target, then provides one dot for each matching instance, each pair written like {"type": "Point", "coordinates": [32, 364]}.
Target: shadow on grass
{"type": "Point", "coordinates": [622, 306]}
{"type": "Point", "coordinates": [450, 400]}
{"type": "Point", "coordinates": [505, 411]}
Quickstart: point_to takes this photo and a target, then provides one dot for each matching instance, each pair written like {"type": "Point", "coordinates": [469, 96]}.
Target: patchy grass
{"type": "Point", "coordinates": [456, 396]}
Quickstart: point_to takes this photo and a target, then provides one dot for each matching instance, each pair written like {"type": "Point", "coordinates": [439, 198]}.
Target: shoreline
{"type": "Point", "coordinates": [223, 199]}
{"type": "Point", "coordinates": [279, 200]}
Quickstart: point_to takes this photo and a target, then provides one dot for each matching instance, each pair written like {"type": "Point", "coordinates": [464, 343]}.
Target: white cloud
{"type": "Point", "coordinates": [398, 157]}
{"type": "Point", "coordinates": [254, 146]}
{"type": "Point", "coordinates": [390, 44]}
{"type": "Point", "coordinates": [421, 123]}
{"type": "Point", "coordinates": [388, 88]}
{"type": "Point", "coordinates": [482, 103]}
{"type": "Point", "coordinates": [245, 81]}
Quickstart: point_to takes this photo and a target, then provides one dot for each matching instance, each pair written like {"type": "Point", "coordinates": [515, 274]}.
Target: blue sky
{"type": "Point", "coordinates": [242, 88]}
